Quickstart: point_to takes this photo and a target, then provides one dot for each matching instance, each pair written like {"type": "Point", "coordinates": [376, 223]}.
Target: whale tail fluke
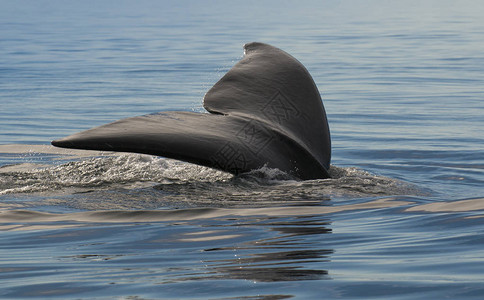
{"type": "Point", "coordinates": [266, 111]}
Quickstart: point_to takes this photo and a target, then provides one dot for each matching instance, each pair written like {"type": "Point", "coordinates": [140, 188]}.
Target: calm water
{"type": "Point", "coordinates": [402, 217]}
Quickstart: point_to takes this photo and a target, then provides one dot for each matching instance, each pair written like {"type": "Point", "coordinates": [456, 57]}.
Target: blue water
{"type": "Point", "coordinates": [402, 217]}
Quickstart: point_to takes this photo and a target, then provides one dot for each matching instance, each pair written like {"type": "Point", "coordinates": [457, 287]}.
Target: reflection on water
{"type": "Point", "coordinates": [255, 249]}
{"type": "Point", "coordinates": [242, 252]}
{"type": "Point", "coordinates": [284, 257]}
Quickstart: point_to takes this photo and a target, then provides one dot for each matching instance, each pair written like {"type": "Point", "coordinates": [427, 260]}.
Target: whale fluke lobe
{"type": "Point", "coordinates": [266, 111]}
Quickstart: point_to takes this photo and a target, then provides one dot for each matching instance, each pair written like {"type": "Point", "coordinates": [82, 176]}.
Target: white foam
{"type": "Point", "coordinates": [180, 182]}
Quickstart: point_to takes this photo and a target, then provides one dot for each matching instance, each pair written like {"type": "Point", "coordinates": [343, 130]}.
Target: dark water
{"type": "Point", "coordinates": [401, 217]}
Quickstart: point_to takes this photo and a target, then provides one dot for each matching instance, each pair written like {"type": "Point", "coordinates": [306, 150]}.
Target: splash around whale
{"type": "Point", "coordinates": [266, 111]}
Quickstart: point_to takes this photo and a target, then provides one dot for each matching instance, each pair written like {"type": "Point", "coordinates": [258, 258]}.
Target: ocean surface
{"type": "Point", "coordinates": [401, 218]}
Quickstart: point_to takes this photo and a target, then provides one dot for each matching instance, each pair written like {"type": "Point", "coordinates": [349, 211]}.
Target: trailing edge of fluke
{"type": "Point", "coordinates": [266, 111]}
